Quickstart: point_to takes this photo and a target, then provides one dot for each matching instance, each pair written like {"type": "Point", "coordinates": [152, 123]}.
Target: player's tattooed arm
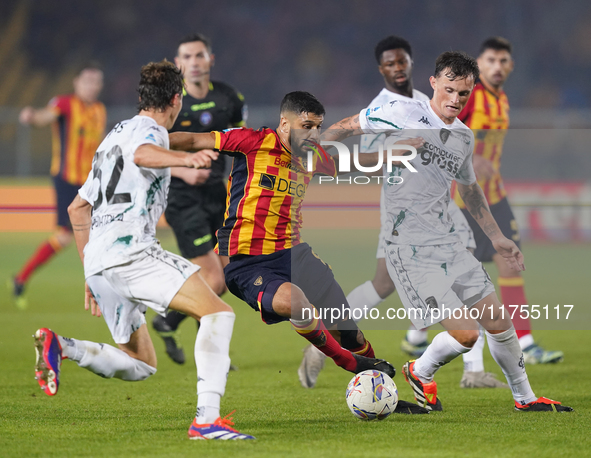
{"type": "Point", "coordinates": [80, 218]}
{"type": "Point", "coordinates": [343, 129]}
{"type": "Point", "coordinates": [476, 204]}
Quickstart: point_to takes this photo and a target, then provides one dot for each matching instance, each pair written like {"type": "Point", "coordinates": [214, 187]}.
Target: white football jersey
{"type": "Point", "coordinates": [417, 208]}
{"type": "Point", "coordinates": [385, 96]}
{"type": "Point", "coordinates": [127, 200]}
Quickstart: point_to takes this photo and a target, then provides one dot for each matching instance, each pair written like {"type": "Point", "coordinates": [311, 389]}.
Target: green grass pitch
{"type": "Point", "coordinates": [95, 417]}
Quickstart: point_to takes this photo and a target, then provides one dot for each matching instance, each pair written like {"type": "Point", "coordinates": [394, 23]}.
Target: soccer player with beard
{"type": "Point", "coordinates": [270, 268]}
{"type": "Point", "coordinates": [431, 268]}
{"type": "Point", "coordinates": [261, 230]}
{"type": "Point", "coordinates": [487, 114]}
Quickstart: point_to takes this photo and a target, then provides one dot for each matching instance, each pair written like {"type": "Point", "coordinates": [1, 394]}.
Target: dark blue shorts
{"type": "Point", "coordinates": [65, 193]}
{"type": "Point", "coordinates": [255, 280]}
{"type": "Point", "coordinates": [503, 215]}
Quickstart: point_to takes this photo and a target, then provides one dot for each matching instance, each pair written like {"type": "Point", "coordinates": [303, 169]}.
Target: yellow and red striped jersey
{"type": "Point", "coordinates": [487, 114]}
{"type": "Point", "coordinates": [77, 133]}
{"type": "Point", "coordinates": [266, 190]}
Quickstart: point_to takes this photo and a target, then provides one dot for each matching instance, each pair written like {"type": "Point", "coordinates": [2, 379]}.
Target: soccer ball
{"type": "Point", "coordinates": [372, 395]}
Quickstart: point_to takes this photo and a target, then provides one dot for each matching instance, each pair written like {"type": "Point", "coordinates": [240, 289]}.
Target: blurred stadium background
{"type": "Point", "coordinates": [266, 49]}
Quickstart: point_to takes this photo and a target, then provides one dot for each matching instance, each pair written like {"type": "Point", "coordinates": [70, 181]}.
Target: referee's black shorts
{"type": "Point", "coordinates": [503, 215]}
{"type": "Point", "coordinates": [195, 217]}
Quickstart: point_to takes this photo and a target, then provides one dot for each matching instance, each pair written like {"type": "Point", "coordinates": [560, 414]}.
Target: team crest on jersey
{"type": "Point", "coordinates": [444, 135]}
{"type": "Point", "coordinates": [431, 302]}
{"type": "Point", "coordinates": [205, 118]}
{"type": "Point", "coordinates": [258, 281]}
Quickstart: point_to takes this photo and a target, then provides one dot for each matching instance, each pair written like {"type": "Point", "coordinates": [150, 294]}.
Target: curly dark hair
{"type": "Point", "coordinates": [159, 83]}
{"type": "Point", "coordinates": [456, 65]}
{"type": "Point", "coordinates": [391, 42]}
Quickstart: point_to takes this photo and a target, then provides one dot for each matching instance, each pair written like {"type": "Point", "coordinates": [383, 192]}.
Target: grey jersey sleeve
{"type": "Point", "coordinates": [466, 175]}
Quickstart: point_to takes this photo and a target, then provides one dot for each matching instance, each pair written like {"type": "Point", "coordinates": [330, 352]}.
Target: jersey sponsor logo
{"type": "Point", "coordinates": [433, 154]}
{"type": "Point", "coordinates": [205, 118]}
{"type": "Point", "coordinates": [286, 164]}
{"type": "Point", "coordinates": [293, 188]}
{"type": "Point", "coordinates": [202, 106]}
{"type": "Point", "coordinates": [151, 138]}
{"type": "Point", "coordinates": [98, 221]}
{"type": "Point", "coordinates": [258, 281]}
{"type": "Point", "coordinates": [424, 120]}
{"type": "Point", "coordinates": [267, 181]}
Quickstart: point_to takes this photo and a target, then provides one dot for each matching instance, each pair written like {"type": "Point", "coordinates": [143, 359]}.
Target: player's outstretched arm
{"type": "Point", "coordinates": [343, 129]}
{"type": "Point", "coordinates": [156, 157]}
{"type": "Point", "coordinates": [187, 141]}
{"type": "Point", "coordinates": [476, 204]}
{"type": "Point", "coordinates": [38, 118]}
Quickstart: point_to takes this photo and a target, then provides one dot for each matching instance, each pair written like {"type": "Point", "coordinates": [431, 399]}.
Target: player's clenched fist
{"type": "Point", "coordinates": [201, 159]}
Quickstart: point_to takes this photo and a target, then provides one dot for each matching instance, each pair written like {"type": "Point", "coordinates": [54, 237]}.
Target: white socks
{"type": "Point", "coordinates": [473, 360]}
{"type": "Point", "coordinates": [416, 336]}
{"type": "Point", "coordinates": [442, 350]}
{"type": "Point", "coordinates": [213, 363]}
{"type": "Point", "coordinates": [506, 351]}
{"type": "Point", "coordinates": [363, 295]}
{"type": "Point", "coordinates": [211, 357]}
{"type": "Point", "coordinates": [526, 341]}
{"type": "Point", "coordinates": [105, 360]}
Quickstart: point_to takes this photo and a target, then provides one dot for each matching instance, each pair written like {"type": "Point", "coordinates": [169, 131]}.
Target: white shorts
{"type": "Point", "coordinates": [462, 228]}
{"type": "Point", "coordinates": [442, 277]}
{"type": "Point", "coordinates": [124, 292]}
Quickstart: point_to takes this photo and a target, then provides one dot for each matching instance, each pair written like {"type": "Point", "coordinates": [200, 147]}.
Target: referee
{"type": "Point", "coordinates": [197, 198]}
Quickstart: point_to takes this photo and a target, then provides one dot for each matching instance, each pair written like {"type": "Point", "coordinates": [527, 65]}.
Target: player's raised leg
{"type": "Point", "coordinates": [368, 295]}
{"type": "Point", "coordinates": [445, 347]}
{"type": "Point", "coordinates": [289, 301]}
